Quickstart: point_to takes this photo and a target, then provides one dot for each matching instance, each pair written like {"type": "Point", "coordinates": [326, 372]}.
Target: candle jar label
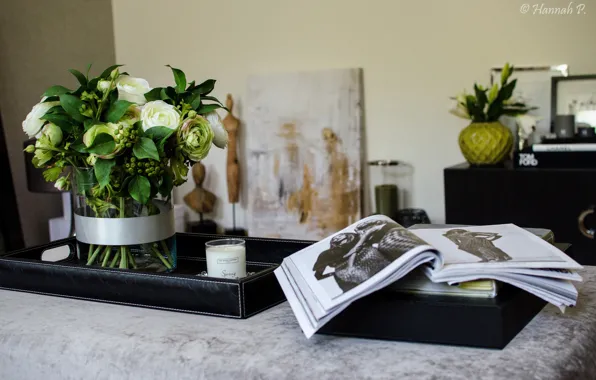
{"type": "Point", "coordinates": [228, 260]}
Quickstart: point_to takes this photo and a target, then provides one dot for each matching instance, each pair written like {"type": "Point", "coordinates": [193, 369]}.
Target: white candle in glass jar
{"type": "Point", "coordinates": [226, 258]}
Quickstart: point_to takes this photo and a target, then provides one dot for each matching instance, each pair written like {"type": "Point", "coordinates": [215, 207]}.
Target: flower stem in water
{"type": "Point", "coordinates": [92, 258]}
{"type": "Point", "coordinates": [108, 253]}
{"type": "Point", "coordinates": [90, 251]}
{"type": "Point", "coordinates": [131, 258]}
{"type": "Point", "coordinates": [159, 256]}
{"type": "Point", "coordinates": [123, 258]}
{"type": "Point", "coordinates": [164, 246]}
{"type": "Point", "coordinates": [113, 263]}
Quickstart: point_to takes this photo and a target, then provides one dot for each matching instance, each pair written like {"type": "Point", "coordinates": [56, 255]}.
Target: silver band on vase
{"type": "Point", "coordinates": [126, 231]}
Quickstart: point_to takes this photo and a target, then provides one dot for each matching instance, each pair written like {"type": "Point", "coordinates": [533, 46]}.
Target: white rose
{"type": "Point", "coordinates": [132, 89]}
{"type": "Point", "coordinates": [32, 123]}
{"type": "Point", "coordinates": [220, 138]}
{"type": "Point", "coordinates": [160, 114]}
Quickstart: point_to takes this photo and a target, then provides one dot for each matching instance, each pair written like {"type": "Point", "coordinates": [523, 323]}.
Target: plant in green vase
{"type": "Point", "coordinates": [123, 146]}
{"type": "Point", "coordinates": [486, 141]}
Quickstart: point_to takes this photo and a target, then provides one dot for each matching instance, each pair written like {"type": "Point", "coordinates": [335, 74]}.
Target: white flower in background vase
{"type": "Point", "coordinates": [160, 114]}
{"type": "Point", "coordinates": [32, 124]}
{"type": "Point", "coordinates": [132, 89]}
{"type": "Point", "coordinates": [220, 138]}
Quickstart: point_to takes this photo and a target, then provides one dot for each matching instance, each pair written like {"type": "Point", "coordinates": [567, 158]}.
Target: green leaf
{"type": "Point", "coordinates": [117, 110]}
{"type": "Point", "coordinates": [139, 188]}
{"type": "Point", "coordinates": [494, 91]}
{"type": "Point", "coordinates": [206, 87]}
{"type": "Point", "coordinates": [103, 144]}
{"type": "Point", "coordinates": [476, 112]}
{"type": "Point", "coordinates": [79, 147]}
{"type": "Point", "coordinates": [481, 98]}
{"type": "Point", "coordinates": [123, 192]}
{"type": "Point", "coordinates": [213, 99]}
{"type": "Point", "coordinates": [71, 105]}
{"type": "Point", "coordinates": [52, 174]}
{"type": "Point", "coordinates": [103, 169]}
{"type": "Point", "coordinates": [106, 73]}
{"type": "Point", "coordinates": [56, 91]}
{"type": "Point", "coordinates": [507, 90]}
{"type": "Point", "coordinates": [80, 77]}
{"type": "Point", "coordinates": [180, 79]}
{"type": "Point", "coordinates": [168, 93]}
{"type": "Point", "coordinates": [113, 98]}
{"type": "Point", "coordinates": [63, 121]}
{"type": "Point", "coordinates": [145, 148]}
{"type": "Point", "coordinates": [58, 110]}
{"type": "Point", "coordinates": [92, 84]}
{"type": "Point", "coordinates": [89, 123]}
{"type": "Point", "coordinates": [206, 108]}
{"type": "Point", "coordinates": [196, 102]}
{"type": "Point", "coordinates": [191, 85]}
{"type": "Point", "coordinates": [88, 70]}
{"type": "Point", "coordinates": [51, 99]}
{"type": "Point", "coordinates": [154, 94]}
{"type": "Point", "coordinates": [167, 184]}
{"type": "Point", "coordinates": [159, 134]}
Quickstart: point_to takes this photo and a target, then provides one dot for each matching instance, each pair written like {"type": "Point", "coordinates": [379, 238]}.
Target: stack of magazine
{"type": "Point", "coordinates": [323, 279]}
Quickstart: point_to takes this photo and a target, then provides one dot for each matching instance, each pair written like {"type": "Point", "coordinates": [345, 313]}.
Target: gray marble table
{"type": "Point", "coordinates": [46, 338]}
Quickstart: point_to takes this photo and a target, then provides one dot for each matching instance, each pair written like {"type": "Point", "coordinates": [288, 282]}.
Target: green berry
{"type": "Point", "coordinates": [128, 145]}
{"type": "Point", "coordinates": [140, 171]}
{"type": "Point", "coordinates": [133, 159]}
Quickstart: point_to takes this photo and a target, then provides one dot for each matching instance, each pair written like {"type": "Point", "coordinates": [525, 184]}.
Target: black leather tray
{"type": "Point", "coordinates": [181, 291]}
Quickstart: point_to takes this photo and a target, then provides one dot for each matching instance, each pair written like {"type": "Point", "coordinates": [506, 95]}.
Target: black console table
{"type": "Point", "coordinates": [561, 200]}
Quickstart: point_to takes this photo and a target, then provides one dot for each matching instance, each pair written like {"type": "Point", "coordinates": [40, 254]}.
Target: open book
{"type": "Point", "coordinates": [323, 279]}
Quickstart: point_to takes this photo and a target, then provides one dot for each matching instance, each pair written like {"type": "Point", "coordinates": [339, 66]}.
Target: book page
{"type": "Point", "coordinates": [493, 246]}
{"type": "Point", "coordinates": [361, 254]}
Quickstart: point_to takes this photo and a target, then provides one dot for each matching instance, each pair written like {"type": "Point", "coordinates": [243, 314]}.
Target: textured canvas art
{"type": "Point", "coordinates": [304, 154]}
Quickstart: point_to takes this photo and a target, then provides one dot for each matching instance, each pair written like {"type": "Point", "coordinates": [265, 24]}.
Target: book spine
{"type": "Point", "coordinates": [564, 147]}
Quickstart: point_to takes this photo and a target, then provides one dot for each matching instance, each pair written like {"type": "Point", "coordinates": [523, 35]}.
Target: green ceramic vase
{"type": "Point", "coordinates": [486, 143]}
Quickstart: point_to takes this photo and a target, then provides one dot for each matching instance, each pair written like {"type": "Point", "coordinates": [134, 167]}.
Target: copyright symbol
{"type": "Point", "coordinates": [524, 8]}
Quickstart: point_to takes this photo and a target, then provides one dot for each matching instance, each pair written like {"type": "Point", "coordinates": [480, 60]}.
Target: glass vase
{"type": "Point", "coordinates": [120, 233]}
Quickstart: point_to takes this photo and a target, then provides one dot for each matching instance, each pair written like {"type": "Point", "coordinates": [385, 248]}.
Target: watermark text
{"type": "Point", "coordinates": [544, 9]}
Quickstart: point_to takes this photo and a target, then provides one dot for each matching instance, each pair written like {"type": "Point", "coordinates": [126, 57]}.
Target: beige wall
{"type": "Point", "coordinates": [415, 55]}
{"type": "Point", "coordinates": [39, 41]}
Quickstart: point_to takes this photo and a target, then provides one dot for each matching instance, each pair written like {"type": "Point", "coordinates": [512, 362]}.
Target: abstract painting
{"type": "Point", "coordinates": [304, 154]}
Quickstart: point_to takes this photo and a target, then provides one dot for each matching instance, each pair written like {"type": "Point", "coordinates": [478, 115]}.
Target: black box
{"type": "Point", "coordinates": [466, 321]}
{"type": "Point", "coordinates": [463, 321]}
{"type": "Point", "coordinates": [181, 290]}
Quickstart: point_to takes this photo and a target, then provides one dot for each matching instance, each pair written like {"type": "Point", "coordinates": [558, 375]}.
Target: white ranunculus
{"type": "Point", "coordinates": [220, 138]}
{"type": "Point", "coordinates": [160, 114]}
{"type": "Point", "coordinates": [132, 89]}
{"type": "Point", "coordinates": [32, 123]}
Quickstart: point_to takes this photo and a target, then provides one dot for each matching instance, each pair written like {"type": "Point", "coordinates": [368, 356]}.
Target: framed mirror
{"type": "Point", "coordinates": [534, 87]}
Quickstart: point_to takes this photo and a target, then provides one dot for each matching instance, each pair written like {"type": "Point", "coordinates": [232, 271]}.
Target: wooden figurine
{"type": "Point", "coordinates": [231, 125]}
{"type": "Point", "coordinates": [202, 201]}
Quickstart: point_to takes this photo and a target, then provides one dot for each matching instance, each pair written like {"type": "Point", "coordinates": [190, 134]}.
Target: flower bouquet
{"type": "Point", "coordinates": [123, 146]}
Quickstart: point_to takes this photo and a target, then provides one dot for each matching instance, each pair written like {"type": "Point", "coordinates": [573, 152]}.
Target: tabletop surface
{"type": "Point", "coordinates": [45, 337]}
